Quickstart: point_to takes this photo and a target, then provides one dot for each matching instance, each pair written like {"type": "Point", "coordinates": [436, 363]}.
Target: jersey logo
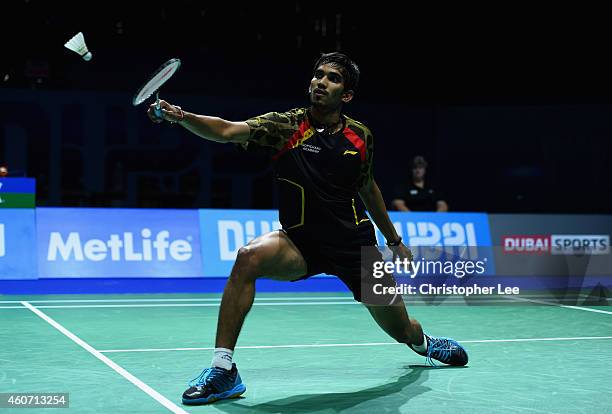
{"type": "Point", "coordinates": [307, 134]}
{"type": "Point", "coordinates": [311, 148]}
{"type": "Point", "coordinates": [350, 152]}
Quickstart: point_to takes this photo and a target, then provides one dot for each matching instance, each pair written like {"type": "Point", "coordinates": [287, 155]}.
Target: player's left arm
{"type": "Point", "coordinates": [373, 200]}
{"type": "Point", "coordinates": [375, 204]}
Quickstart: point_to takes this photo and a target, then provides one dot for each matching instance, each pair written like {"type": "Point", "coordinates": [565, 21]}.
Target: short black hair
{"type": "Point", "coordinates": [348, 67]}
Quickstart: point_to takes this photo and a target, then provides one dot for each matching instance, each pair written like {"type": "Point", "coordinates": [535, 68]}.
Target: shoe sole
{"type": "Point", "coordinates": [235, 392]}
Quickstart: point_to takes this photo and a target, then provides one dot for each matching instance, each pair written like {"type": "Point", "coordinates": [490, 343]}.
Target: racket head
{"type": "Point", "coordinates": [156, 80]}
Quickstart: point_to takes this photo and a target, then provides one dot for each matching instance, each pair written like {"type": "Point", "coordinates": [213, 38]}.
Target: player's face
{"type": "Point", "coordinates": [327, 87]}
{"type": "Point", "coordinates": [3, 171]}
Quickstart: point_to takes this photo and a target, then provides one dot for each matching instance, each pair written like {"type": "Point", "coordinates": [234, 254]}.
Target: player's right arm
{"type": "Point", "coordinates": [208, 127]}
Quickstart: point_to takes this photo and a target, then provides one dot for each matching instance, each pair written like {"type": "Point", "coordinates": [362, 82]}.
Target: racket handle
{"type": "Point", "coordinates": [157, 110]}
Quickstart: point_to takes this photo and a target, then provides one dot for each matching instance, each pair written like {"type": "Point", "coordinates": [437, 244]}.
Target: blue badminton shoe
{"type": "Point", "coordinates": [445, 350]}
{"type": "Point", "coordinates": [214, 384]}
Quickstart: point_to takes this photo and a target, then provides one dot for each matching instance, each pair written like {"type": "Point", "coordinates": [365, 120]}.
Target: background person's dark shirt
{"type": "Point", "coordinates": [420, 199]}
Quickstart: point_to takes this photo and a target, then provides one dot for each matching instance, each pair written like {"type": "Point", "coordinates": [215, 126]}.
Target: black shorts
{"type": "Point", "coordinates": [346, 261]}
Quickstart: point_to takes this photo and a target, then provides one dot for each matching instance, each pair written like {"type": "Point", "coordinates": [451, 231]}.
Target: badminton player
{"type": "Point", "coordinates": [323, 161]}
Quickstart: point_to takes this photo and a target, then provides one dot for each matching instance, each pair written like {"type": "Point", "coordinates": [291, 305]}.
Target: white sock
{"type": "Point", "coordinates": [222, 358]}
{"type": "Point", "coordinates": [421, 348]}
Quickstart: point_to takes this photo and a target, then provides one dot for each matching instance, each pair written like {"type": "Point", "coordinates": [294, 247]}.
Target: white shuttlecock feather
{"type": "Point", "coordinates": [77, 44]}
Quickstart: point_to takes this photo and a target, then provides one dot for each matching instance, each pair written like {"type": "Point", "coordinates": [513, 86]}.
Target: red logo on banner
{"type": "Point", "coordinates": [526, 244]}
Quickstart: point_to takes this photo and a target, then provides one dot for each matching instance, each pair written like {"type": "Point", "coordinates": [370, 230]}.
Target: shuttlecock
{"type": "Point", "coordinates": [77, 44]}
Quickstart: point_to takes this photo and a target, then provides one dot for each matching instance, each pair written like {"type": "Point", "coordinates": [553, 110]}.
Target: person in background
{"type": "Point", "coordinates": [3, 171]}
{"type": "Point", "coordinates": [417, 196]}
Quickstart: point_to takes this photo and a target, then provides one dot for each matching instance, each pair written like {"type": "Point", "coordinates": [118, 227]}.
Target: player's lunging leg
{"type": "Point", "coordinates": [238, 296]}
{"type": "Point", "coordinates": [394, 320]}
{"type": "Point", "coordinates": [272, 255]}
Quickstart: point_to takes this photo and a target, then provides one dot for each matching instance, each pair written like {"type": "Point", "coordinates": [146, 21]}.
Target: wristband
{"type": "Point", "coordinates": [395, 243]}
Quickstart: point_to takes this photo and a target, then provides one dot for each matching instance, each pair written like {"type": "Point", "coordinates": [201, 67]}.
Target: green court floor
{"type": "Point", "coordinates": [303, 353]}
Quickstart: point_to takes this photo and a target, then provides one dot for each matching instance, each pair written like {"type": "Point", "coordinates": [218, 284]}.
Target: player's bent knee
{"type": "Point", "coordinates": [249, 261]}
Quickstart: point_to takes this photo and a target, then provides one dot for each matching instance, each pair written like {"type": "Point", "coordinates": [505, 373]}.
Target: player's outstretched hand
{"type": "Point", "coordinates": [171, 113]}
{"type": "Point", "coordinates": [403, 252]}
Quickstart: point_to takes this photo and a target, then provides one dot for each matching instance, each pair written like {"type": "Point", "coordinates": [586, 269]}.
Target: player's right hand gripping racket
{"type": "Point", "coordinates": [151, 86]}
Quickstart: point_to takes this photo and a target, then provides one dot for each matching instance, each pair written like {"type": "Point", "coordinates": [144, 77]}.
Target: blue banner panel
{"type": "Point", "coordinates": [17, 185]}
{"type": "Point", "coordinates": [441, 229]}
{"type": "Point", "coordinates": [433, 235]}
{"type": "Point", "coordinates": [17, 244]}
{"type": "Point", "coordinates": [80, 242]}
{"type": "Point", "coordinates": [223, 232]}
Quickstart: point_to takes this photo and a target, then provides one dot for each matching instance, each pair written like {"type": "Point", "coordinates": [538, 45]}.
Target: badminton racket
{"type": "Point", "coordinates": [155, 81]}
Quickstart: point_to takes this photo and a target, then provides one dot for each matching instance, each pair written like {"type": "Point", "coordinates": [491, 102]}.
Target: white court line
{"type": "Point", "coordinates": [257, 299]}
{"type": "Point", "coordinates": [188, 305]}
{"type": "Point", "coordinates": [217, 304]}
{"type": "Point", "coordinates": [125, 374]}
{"type": "Point", "coordinates": [448, 301]}
{"type": "Point", "coordinates": [576, 338]}
{"type": "Point", "coordinates": [172, 300]}
{"type": "Point", "coordinates": [543, 302]}
{"type": "Point", "coordinates": [480, 341]}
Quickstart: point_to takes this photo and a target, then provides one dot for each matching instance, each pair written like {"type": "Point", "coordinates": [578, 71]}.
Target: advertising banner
{"type": "Point", "coordinates": [17, 192]}
{"type": "Point", "coordinates": [552, 244]}
{"type": "Point", "coordinates": [564, 253]}
{"type": "Point", "coordinates": [18, 244]}
{"type": "Point", "coordinates": [459, 234]}
{"type": "Point", "coordinates": [225, 231]}
{"type": "Point", "coordinates": [99, 242]}
{"type": "Point", "coordinates": [432, 235]}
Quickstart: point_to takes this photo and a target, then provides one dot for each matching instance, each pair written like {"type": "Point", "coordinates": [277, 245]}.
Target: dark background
{"type": "Point", "coordinates": [511, 107]}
